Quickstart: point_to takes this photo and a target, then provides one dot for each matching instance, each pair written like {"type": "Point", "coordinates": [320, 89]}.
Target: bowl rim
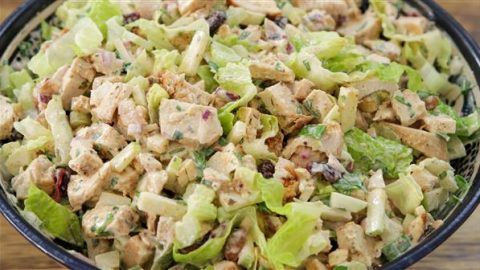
{"type": "Point", "coordinates": [462, 39]}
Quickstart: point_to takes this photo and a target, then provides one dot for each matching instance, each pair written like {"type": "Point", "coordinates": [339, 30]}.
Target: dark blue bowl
{"type": "Point", "coordinates": [465, 43]}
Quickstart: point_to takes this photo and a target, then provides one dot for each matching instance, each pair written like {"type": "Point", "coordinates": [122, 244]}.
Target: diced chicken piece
{"type": "Point", "coordinates": [102, 79]}
{"type": "Point", "coordinates": [147, 8]}
{"type": "Point", "coordinates": [7, 117]}
{"type": "Point", "coordinates": [385, 112]}
{"type": "Point", "coordinates": [138, 250]}
{"type": "Point", "coordinates": [106, 62]}
{"type": "Point", "coordinates": [337, 257]}
{"type": "Point", "coordinates": [226, 265]}
{"type": "Point", "coordinates": [131, 119]}
{"type": "Point", "coordinates": [148, 162]}
{"type": "Point", "coordinates": [334, 8]}
{"type": "Point", "coordinates": [273, 31]}
{"type": "Point", "coordinates": [125, 182]}
{"type": "Point", "coordinates": [219, 180]}
{"type": "Point", "coordinates": [352, 238]}
{"type": "Point", "coordinates": [385, 48]}
{"type": "Point", "coordinates": [440, 123]}
{"type": "Point", "coordinates": [165, 230]}
{"type": "Point", "coordinates": [304, 156]}
{"type": "Point", "coordinates": [180, 89]}
{"type": "Point", "coordinates": [270, 68]}
{"type": "Point", "coordinates": [153, 182]}
{"type": "Point", "coordinates": [108, 141]}
{"type": "Point", "coordinates": [425, 179]}
{"type": "Point", "coordinates": [314, 264]}
{"type": "Point", "coordinates": [48, 87]}
{"type": "Point", "coordinates": [251, 117]}
{"type": "Point", "coordinates": [319, 103]}
{"type": "Point", "coordinates": [427, 143]}
{"type": "Point", "coordinates": [85, 161]}
{"type": "Point", "coordinates": [279, 100]}
{"type": "Point", "coordinates": [189, 6]}
{"type": "Point", "coordinates": [157, 144]}
{"type": "Point", "coordinates": [224, 161]}
{"type": "Point", "coordinates": [367, 27]}
{"type": "Point", "coordinates": [189, 123]}
{"type": "Point", "coordinates": [40, 173]}
{"type": "Point", "coordinates": [411, 25]}
{"type": "Point", "coordinates": [408, 107]}
{"type": "Point", "coordinates": [81, 104]}
{"type": "Point", "coordinates": [319, 20]}
{"type": "Point", "coordinates": [187, 173]}
{"type": "Point", "coordinates": [82, 189]}
{"type": "Point", "coordinates": [372, 85]}
{"type": "Point", "coordinates": [301, 89]}
{"type": "Point", "coordinates": [97, 246]}
{"type": "Point", "coordinates": [235, 242]}
{"type": "Point", "coordinates": [109, 221]}
{"type": "Point", "coordinates": [105, 99]}
{"type": "Point", "coordinates": [331, 142]}
{"type": "Point", "coordinates": [76, 81]}
{"type": "Point", "coordinates": [267, 7]}
{"type": "Point", "coordinates": [416, 228]}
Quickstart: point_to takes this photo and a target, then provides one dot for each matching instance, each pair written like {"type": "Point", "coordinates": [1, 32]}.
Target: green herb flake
{"type": "Point", "coordinates": [402, 100]}
{"type": "Point", "coordinates": [313, 131]}
{"type": "Point", "coordinates": [177, 135]}
{"type": "Point", "coordinates": [307, 65]}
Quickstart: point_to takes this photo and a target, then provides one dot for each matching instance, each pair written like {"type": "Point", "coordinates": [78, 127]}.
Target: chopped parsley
{"type": "Point", "coordinates": [307, 65]}
{"type": "Point", "coordinates": [177, 135]}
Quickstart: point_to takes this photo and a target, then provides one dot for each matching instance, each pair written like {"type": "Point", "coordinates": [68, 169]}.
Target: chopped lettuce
{"type": "Point", "coordinates": [466, 125]}
{"type": "Point", "coordinates": [101, 11]}
{"type": "Point", "coordinates": [56, 218]}
{"type": "Point", "coordinates": [154, 97]}
{"type": "Point", "coordinates": [154, 33]}
{"type": "Point", "coordinates": [165, 60]}
{"type": "Point", "coordinates": [83, 39]}
{"type": "Point", "coordinates": [348, 183]}
{"type": "Point", "coordinates": [206, 75]}
{"type": "Point", "coordinates": [221, 55]}
{"type": "Point", "coordinates": [377, 153]}
{"type": "Point", "coordinates": [313, 131]}
{"type": "Point", "coordinates": [257, 148]}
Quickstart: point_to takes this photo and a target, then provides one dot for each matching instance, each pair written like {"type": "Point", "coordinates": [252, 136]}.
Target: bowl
{"type": "Point", "coordinates": [24, 23]}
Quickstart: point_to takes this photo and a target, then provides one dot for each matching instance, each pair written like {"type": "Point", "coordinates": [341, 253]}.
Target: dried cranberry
{"type": "Point", "coordinates": [128, 18]}
{"type": "Point", "coordinates": [232, 96]}
{"type": "Point", "coordinates": [62, 177]}
{"type": "Point", "coordinates": [45, 98]}
{"type": "Point", "coordinates": [206, 114]}
{"type": "Point", "coordinates": [266, 168]}
{"type": "Point", "coordinates": [215, 20]}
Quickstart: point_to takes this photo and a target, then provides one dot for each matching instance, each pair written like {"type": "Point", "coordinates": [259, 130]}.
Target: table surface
{"type": "Point", "coordinates": [460, 252]}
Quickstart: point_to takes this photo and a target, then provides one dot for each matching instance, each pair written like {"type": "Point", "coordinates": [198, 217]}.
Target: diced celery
{"type": "Point", "coordinates": [238, 131]}
{"type": "Point", "coordinates": [456, 148]}
{"type": "Point", "coordinates": [60, 127]}
{"type": "Point", "coordinates": [376, 200]}
{"type": "Point", "coordinates": [112, 199]}
{"type": "Point", "coordinates": [123, 159]}
{"type": "Point", "coordinates": [347, 105]}
{"type": "Point", "coordinates": [31, 129]}
{"type": "Point", "coordinates": [405, 194]}
{"type": "Point", "coordinates": [396, 248]}
{"type": "Point", "coordinates": [79, 119]}
{"type": "Point", "coordinates": [108, 260]}
{"type": "Point", "coordinates": [154, 97]}
{"type": "Point", "coordinates": [238, 15]}
{"type": "Point", "coordinates": [341, 201]}
{"type": "Point", "coordinates": [447, 181]}
{"type": "Point", "coordinates": [193, 55]}
{"type": "Point", "coordinates": [160, 205]}
{"type": "Point", "coordinates": [435, 199]}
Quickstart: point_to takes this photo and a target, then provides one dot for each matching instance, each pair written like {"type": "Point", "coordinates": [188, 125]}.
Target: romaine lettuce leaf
{"type": "Point", "coordinates": [377, 153]}
{"type": "Point", "coordinates": [56, 218]}
{"type": "Point", "coordinates": [101, 11]}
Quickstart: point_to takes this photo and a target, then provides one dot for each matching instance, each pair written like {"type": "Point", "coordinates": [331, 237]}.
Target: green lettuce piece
{"type": "Point", "coordinates": [61, 130]}
{"type": "Point", "coordinates": [165, 60]}
{"type": "Point", "coordinates": [71, 11]}
{"type": "Point", "coordinates": [306, 65]}
{"type": "Point", "coordinates": [233, 40]}
{"type": "Point", "coordinates": [5, 85]}
{"type": "Point", "coordinates": [101, 11]}
{"type": "Point", "coordinates": [154, 97]}
{"type": "Point", "coordinates": [324, 44]}
{"type": "Point", "coordinates": [206, 75]}
{"type": "Point", "coordinates": [257, 147]}
{"type": "Point", "coordinates": [290, 245]}
{"type": "Point", "coordinates": [313, 131]}
{"type": "Point", "coordinates": [154, 33]}
{"type": "Point", "coordinates": [31, 129]}
{"type": "Point", "coordinates": [222, 55]}
{"type": "Point", "coordinates": [56, 218]}
{"type": "Point", "coordinates": [83, 39]}
{"type": "Point", "coordinates": [207, 251]}
{"type": "Point", "coordinates": [271, 192]}
{"type": "Point", "coordinates": [348, 183]}
{"type": "Point", "coordinates": [141, 66]}
{"type": "Point", "coordinates": [344, 62]}
{"type": "Point", "coordinates": [24, 96]}
{"type": "Point", "coordinates": [236, 78]}
{"type": "Point", "coordinates": [377, 153]}
{"type": "Point", "coordinates": [20, 78]}
{"type": "Point", "coordinates": [466, 125]}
